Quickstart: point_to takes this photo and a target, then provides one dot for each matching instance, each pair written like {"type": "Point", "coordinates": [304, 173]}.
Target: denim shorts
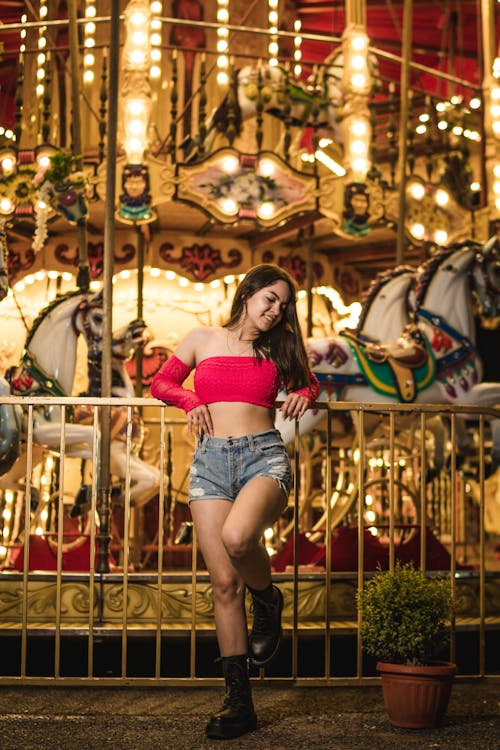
{"type": "Point", "coordinates": [222, 466]}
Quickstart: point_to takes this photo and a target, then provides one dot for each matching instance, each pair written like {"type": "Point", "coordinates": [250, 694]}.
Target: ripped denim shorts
{"type": "Point", "coordinates": [222, 466]}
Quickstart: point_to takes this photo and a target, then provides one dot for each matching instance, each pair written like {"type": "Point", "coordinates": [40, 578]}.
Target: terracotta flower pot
{"type": "Point", "coordinates": [416, 697]}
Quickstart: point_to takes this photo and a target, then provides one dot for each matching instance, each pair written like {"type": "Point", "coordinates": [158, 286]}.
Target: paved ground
{"type": "Point", "coordinates": [336, 718]}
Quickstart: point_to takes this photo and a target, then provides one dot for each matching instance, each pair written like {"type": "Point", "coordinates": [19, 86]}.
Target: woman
{"type": "Point", "coordinates": [241, 475]}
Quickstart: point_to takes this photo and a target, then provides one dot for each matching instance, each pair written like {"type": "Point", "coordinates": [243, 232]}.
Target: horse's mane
{"type": "Point", "coordinates": [380, 280]}
{"type": "Point", "coordinates": [58, 300]}
{"type": "Point", "coordinates": [430, 266]}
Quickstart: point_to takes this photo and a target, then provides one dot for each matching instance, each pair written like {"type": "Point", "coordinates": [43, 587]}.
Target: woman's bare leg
{"type": "Point", "coordinates": [257, 507]}
{"type": "Point", "coordinates": [209, 517]}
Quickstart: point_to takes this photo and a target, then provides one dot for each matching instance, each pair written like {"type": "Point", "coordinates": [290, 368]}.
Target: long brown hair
{"type": "Point", "coordinates": [283, 343]}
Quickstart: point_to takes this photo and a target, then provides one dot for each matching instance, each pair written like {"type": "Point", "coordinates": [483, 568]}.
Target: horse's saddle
{"type": "Point", "coordinates": [399, 368]}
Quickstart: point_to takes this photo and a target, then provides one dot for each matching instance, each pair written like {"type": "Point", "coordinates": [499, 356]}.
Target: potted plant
{"type": "Point", "coordinates": [405, 625]}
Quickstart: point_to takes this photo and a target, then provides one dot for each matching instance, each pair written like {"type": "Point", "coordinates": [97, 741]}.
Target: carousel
{"type": "Point", "coordinates": [150, 154]}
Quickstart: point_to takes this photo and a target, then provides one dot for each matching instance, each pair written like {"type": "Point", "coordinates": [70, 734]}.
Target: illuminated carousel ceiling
{"type": "Point", "coordinates": [444, 41]}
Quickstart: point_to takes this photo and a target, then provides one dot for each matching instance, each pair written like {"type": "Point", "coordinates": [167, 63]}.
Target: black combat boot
{"type": "Point", "coordinates": [236, 715]}
{"type": "Point", "coordinates": [265, 636]}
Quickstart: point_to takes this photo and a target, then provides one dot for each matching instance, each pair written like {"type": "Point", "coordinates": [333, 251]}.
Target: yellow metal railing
{"type": "Point", "coordinates": [151, 623]}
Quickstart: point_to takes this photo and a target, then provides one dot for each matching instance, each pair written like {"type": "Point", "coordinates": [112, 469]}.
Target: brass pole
{"type": "Point", "coordinates": [104, 488]}
{"type": "Point", "coordinates": [83, 278]}
{"type": "Point", "coordinates": [140, 309]}
{"type": "Point", "coordinates": [488, 35]}
{"type": "Point", "coordinates": [403, 126]}
{"type": "Point", "coordinates": [309, 280]}
{"type": "Point", "coordinates": [489, 143]}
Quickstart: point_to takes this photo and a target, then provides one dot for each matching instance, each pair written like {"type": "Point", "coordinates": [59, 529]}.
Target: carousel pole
{"type": "Point", "coordinates": [83, 278]}
{"type": "Point", "coordinates": [490, 142]}
{"type": "Point", "coordinates": [104, 483]}
{"type": "Point", "coordinates": [309, 280]}
{"type": "Point", "coordinates": [140, 307]}
{"type": "Point", "coordinates": [138, 517]}
{"type": "Point", "coordinates": [403, 126]}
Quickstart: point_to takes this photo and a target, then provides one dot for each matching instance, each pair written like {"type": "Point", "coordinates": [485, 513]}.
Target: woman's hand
{"type": "Point", "coordinates": [294, 406]}
{"type": "Point", "coordinates": [199, 421]}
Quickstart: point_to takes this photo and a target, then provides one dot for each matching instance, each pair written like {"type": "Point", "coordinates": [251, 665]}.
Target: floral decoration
{"type": "Point", "coordinates": [36, 192]}
{"type": "Point", "coordinates": [246, 187]}
{"type": "Point", "coordinates": [61, 189]}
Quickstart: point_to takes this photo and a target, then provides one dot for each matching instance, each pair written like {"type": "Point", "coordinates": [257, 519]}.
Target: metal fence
{"type": "Point", "coordinates": [98, 588]}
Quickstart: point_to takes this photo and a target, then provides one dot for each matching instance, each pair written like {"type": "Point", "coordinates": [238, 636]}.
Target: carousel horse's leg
{"type": "Point", "coordinates": [144, 478]}
{"type": "Point", "coordinates": [15, 479]}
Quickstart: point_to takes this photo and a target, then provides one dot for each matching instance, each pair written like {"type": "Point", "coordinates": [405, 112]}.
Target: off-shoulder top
{"type": "Point", "coordinates": [244, 379]}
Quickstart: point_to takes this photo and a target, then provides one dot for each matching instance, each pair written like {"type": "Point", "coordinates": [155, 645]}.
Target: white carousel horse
{"type": "Point", "coordinates": [9, 415]}
{"type": "Point", "coordinates": [145, 478]}
{"type": "Point", "coordinates": [274, 90]}
{"type": "Point", "coordinates": [48, 368]}
{"type": "Point", "coordinates": [317, 103]}
{"type": "Point", "coordinates": [384, 313]}
{"type": "Point", "coordinates": [10, 427]}
{"type": "Point", "coordinates": [435, 361]}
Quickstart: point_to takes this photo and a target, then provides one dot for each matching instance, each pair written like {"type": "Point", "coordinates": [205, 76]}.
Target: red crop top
{"type": "Point", "coordinates": [222, 379]}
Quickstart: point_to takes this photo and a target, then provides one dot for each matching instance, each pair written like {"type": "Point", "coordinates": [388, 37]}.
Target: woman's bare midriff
{"type": "Point", "coordinates": [235, 419]}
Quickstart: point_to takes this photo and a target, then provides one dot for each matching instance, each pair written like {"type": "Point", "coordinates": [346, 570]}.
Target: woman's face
{"type": "Point", "coordinates": [266, 307]}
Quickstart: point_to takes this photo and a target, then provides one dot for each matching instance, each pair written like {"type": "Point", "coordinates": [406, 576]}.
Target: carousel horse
{"type": "Point", "coordinates": [48, 368]}
{"type": "Point", "coordinates": [10, 428]}
{"type": "Point", "coordinates": [434, 360]}
{"type": "Point", "coordinates": [385, 311]}
{"type": "Point", "coordinates": [316, 103]}
{"type": "Point", "coordinates": [145, 479]}
{"type": "Point", "coordinates": [9, 414]}
{"type": "Point", "coordinates": [273, 89]}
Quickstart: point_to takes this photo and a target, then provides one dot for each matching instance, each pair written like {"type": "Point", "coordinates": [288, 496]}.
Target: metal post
{"type": "Point", "coordinates": [403, 125]}
{"type": "Point", "coordinates": [309, 280]}
{"type": "Point", "coordinates": [83, 278]}
{"type": "Point", "coordinates": [104, 488]}
{"type": "Point", "coordinates": [140, 308]}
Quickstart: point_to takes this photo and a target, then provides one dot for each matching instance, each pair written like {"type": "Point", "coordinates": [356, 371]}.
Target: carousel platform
{"type": "Point", "coordinates": [166, 602]}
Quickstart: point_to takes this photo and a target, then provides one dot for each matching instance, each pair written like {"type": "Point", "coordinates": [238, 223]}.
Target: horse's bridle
{"type": "Point", "coordinates": [94, 341]}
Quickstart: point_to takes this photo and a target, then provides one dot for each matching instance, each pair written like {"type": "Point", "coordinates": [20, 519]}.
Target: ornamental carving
{"type": "Point", "coordinates": [68, 256]}
{"type": "Point", "coordinates": [200, 261]}
{"type": "Point", "coordinates": [20, 262]}
{"type": "Point", "coordinates": [295, 265]}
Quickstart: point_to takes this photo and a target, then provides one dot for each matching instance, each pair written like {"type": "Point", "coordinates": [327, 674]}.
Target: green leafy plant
{"type": "Point", "coordinates": [405, 616]}
{"type": "Point", "coordinates": [61, 168]}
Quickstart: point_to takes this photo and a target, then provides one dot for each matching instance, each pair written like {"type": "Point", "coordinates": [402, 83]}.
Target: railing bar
{"type": "Point", "coordinates": [27, 530]}
{"type": "Point", "coordinates": [126, 545]}
{"type": "Point", "coordinates": [423, 495]}
{"type": "Point", "coordinates": [93, 513]}
{"type": "Point", "coordinates": [453, 549]}
{"type": "Point", "coordinates": [194, 590]}
{"type": "Point", "coordinates": [161, 516]}
{"type": "Point", "coordinates": [398, 408]}
{"type": "Point", "coordinates": [328, 540]}
{"type": "Point", "coordinates": [296, 531]}
{"type": "Point", "coordinates": [482, 555]}
{"type": "Point", "coordinates": [60, 529]}
{"type": "Point", "coordinates": [392, 470]}
{"type": "Point", "coordinates": [361, 549]}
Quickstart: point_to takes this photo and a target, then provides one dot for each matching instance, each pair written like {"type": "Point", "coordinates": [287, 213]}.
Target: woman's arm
{"type": "Point", "coordinates": [297, 402]}
{"type": "Point", "coordinates": [167, 383]}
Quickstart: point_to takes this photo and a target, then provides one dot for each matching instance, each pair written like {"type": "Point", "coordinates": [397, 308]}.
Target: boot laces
{"type": "Point", "coordinates": [263, 612]}
{"type": "Point", "coordinates": [237, 689]}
